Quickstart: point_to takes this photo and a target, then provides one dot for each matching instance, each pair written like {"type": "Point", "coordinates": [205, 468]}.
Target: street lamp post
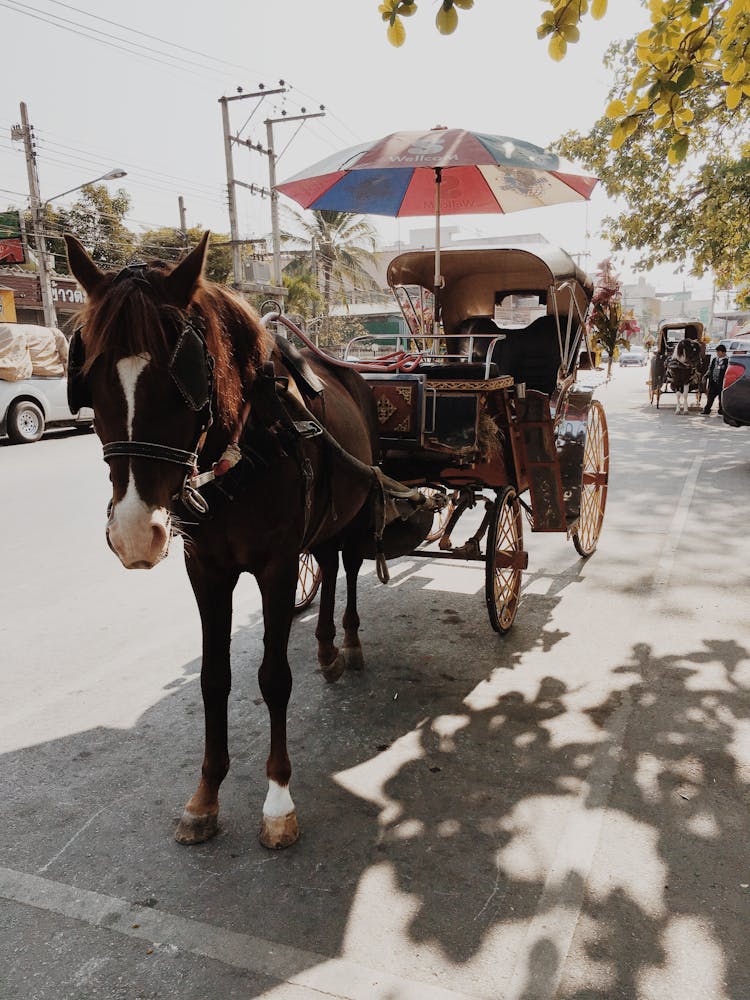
{"type": "Point", "coordinates": [24, 132]}
{"type": "Point", "coordinates": [38, 213]}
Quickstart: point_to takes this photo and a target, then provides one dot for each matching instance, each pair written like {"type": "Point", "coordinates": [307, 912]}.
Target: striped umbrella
{"type": "Point", "coordinates": [439, 172]}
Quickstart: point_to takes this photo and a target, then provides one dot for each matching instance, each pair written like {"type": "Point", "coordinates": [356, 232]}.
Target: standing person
{"type": "Point", "coordinates": [715, 378]}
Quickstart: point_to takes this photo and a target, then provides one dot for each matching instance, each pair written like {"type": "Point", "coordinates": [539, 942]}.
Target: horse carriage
{"type": "Point", "coordinates": [486, 410]}
{"type": "Point", "coordinates": [215, 430]}
{"type": "Point", "coordinates": [679, 362]}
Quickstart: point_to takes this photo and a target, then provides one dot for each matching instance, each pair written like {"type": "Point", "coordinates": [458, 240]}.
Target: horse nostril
{"type": "Point", "coordinates": [158, 538]}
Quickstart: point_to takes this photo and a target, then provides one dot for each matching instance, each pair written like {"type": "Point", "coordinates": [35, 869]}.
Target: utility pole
{"type": "Point", "coordinates": [183, 223]}
{"type": "Point", "coordinates": [272, 161]}
{"type": "Point", "coordinates": [234, 229]}
{"type": "Point", "coordinates": [37, 219]}
{"type": "Point", "coordinates": [276, 288]}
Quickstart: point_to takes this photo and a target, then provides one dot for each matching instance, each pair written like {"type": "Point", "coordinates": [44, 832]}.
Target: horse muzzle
{"type": "Point", "coordinates": [139, 539]}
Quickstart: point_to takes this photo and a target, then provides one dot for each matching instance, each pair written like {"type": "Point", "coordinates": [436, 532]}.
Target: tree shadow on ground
{"type": "Point", "coordinates": [433, 792]}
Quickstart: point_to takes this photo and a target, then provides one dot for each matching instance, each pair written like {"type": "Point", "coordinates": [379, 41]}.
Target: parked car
{"type": "Point", "coordinates": [635, 357]}
{"type": "Point", "coordinates": [735, 345]}
{"type": "Point", "coordinates": [735, 395]}
{"type": "Point", "coordinates": [30, 406]}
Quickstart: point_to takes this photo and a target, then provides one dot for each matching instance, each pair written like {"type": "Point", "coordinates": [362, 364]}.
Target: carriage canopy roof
{"type": "Point", "coordinates": [476, 278]}
{"type": "Point", "coordinates": [671, 331]}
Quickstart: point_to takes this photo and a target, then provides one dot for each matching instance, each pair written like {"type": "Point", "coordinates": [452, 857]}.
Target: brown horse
{"type": "Point", "coordinates": [177, 369]}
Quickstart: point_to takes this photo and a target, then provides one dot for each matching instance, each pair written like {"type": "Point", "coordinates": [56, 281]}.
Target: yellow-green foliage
{"type": "Point", "coordinates": [687, 40]}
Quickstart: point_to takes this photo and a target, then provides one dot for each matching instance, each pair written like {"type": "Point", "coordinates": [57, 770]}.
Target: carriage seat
{"type": "Point", "coordinates": [530, 355]}
{"type": "Point", "coordinates": [466, 370]}
{"type": "Point", "coordinates": [534, 355]}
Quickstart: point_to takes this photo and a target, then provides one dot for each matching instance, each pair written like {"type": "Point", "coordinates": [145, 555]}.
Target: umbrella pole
{"type": "Point", "coordinates": [438, 277]}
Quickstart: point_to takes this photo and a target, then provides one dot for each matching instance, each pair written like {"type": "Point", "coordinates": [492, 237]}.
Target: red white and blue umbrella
{"type": "Point", "coordinates": [478, 174]}
{"type": "Point", "coordinates": [442, 171]}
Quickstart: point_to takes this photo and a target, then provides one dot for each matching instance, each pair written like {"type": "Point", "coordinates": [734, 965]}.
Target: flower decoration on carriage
{"type": "Point", "coordinates": [629, 326]}
{"type": "Point", "coordinates": [608, 327]}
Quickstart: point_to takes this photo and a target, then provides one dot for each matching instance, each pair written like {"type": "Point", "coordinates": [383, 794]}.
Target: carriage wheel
{"type": "Point", "coordinates": [308, 582]}
{"type": "Point", "coordinates": [505, 560]}
{"type": "Point", "coordinates": [594, 484]}
{"type": "Point", "coordinates": [442, 516]}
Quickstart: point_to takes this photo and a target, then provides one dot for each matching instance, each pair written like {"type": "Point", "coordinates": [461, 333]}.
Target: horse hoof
{"type": "Point", "coordinates": [353, 658]}
{"type": "Point", "coordinates": [194, 829]}
{"type": "Point", "coordinates": [278, 832]}
{"type": "Point", "coordinates": [332, 671]}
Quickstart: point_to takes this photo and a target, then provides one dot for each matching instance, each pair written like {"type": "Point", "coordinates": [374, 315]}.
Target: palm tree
{"type": "Point", "coordinates": [344, 246]}
{"type": "Point", "coordinates": [302, 297]}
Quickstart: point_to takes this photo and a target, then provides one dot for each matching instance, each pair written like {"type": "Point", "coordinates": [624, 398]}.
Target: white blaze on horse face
{"type": "Point", "coordinates": [129, 370]}
{"type": "Point", "coordinates": [139, 534]}
{"type": "Point", "coordinates": [278, 800]}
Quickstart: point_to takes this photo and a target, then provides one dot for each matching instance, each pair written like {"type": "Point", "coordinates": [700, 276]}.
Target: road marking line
{"type": "Point", "coordinates": [334, 977]}
{"type": "Point", "coordinates": [676, 529]}
{"type": "Point", "coordinates": [541, 962]}
{"type": "Point", "coordinates": [539, 969]}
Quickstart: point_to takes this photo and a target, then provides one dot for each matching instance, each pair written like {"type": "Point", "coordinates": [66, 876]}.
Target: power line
{"type": "Point", "coordinates": [135, 166]}
{"type": "Point", "coordinates": [93, 34]}
{"type": "Point", "coordinates": [154, 38]}
{"type": "Point", "coordinates": [207, 195]}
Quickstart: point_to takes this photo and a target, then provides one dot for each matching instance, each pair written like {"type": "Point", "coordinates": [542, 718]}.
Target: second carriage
{"type": "Point", "coordinates": [486, 407]}
{"type": "Point", "coordinates": [670, 334]}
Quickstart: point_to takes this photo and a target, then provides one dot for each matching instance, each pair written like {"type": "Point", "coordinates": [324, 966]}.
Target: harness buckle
{"type": "Point", "coordinates": [308, 428]}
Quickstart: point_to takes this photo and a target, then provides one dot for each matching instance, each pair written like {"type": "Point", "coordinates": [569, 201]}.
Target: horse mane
{"type": "Point", "coordinates": [131, 314]}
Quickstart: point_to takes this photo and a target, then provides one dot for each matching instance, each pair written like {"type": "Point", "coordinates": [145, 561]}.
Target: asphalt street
{"type": "Point", "coordinates": [558, 813]}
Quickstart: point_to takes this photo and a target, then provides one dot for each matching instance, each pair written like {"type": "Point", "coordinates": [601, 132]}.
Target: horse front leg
{"type": "Point", "coordinates": [213, 592]}
{"type": "Point", "coordinates": [277, 582]}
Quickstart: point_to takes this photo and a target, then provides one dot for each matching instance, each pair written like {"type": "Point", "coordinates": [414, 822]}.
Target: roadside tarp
{"type": "Point", "coordinates": [27, 350]}
{"type": "Point", "coordinates": [15, 360]}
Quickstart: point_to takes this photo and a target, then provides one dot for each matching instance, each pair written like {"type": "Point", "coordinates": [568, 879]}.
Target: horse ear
{"type": "Point", "coordinates": [84, 269]}
{"type": "Point", "coordinates": [182, 281]}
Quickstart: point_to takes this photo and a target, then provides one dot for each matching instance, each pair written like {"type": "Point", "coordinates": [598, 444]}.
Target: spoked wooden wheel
{"type": "Point", "coordinates": [505, 560]}
{"type": "Point", "coordinates": [308, 582]}
{"type": "Point", "coordinates": [595, 479]}
{"type": "Point", "coordinates": [442, 516]}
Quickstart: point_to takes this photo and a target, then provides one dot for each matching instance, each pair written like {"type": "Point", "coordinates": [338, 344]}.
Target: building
{"type": "Point", "coordinates": [642, 300]}
{"type": "Point", "coordinates": [27, 296]}
{"type": "Point", "coordinates": [676, 304]}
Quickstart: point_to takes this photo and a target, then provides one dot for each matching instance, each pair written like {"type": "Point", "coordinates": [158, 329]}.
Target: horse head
{"type": "Point", "coordinates": [688, 352]}
{"type": "Point", "coordinates": [140, 361]}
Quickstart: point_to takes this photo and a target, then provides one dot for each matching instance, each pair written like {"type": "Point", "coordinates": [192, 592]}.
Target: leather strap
{"type": "Point", "coordinates": [145, 449]}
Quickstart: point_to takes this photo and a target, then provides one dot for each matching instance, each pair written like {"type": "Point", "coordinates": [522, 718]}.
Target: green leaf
{"type": "Point", "coordinates": [685, 78]}
{"type": "Point", "coordinates": [678, 150]}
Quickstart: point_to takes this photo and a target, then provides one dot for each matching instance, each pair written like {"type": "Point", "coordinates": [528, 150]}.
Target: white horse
{"type": "Point", "coordinates": [681, 370]}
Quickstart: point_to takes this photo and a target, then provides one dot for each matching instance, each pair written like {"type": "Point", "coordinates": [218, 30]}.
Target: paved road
{"type": "Point", "coordinates": [559, 813]}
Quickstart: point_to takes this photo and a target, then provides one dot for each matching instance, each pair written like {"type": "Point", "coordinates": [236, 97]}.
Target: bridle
{"type": "Point", "coordinates": [191, 368]}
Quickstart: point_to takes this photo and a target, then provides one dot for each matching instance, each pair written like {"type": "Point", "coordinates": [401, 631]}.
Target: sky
{"type": "Point", "coordinates": [137, 86]}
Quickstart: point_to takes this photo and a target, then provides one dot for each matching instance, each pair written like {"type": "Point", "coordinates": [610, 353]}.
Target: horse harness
{"type": "Point", "coordinates": [191, 369]}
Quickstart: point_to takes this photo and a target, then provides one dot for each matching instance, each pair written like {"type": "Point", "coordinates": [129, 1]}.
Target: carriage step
{"type": "Point", "coordinates": [539, 449]}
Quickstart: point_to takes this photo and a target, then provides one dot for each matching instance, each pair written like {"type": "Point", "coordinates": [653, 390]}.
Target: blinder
{"type": "Point", "coordinates": [191, 368]}
{"type": "Point", "coordinates": [79, 394]}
